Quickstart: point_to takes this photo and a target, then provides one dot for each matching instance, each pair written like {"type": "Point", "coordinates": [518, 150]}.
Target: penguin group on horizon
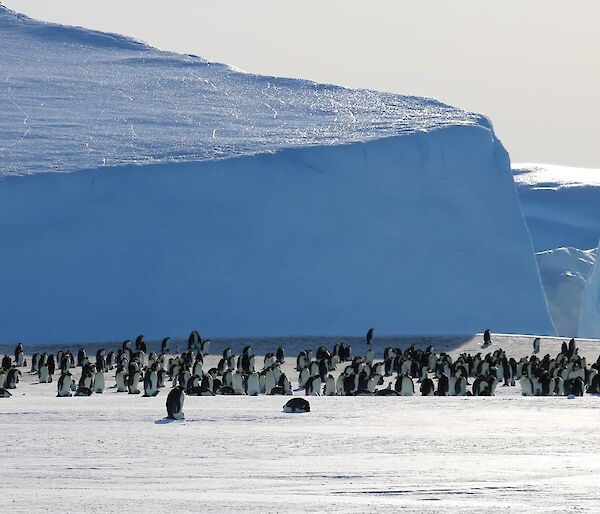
{"type": "Point", "coordinates": [407, 372]}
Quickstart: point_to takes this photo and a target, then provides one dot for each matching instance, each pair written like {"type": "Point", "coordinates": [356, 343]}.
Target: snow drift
{"type": "Point", "coordinates": [387, 211]}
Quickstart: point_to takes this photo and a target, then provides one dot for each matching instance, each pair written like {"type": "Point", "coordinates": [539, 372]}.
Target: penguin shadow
{"type": "Point", "coordinates": [485, 345]}
{"type": "Point", "coordinates": [165, 421]}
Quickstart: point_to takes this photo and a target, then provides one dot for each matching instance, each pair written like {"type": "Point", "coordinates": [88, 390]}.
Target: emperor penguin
{"type": "Point", "coordinates": [443, 385]}
{"type": "Point", "coordinates": [133, 379]}
{"type": "Point", "coordinates": [280, 355]}
{"type": "Point", "coordinates": [64, 384]}
{"type": "Point", "coordinates": [460, 386]}
{"type": "Point", "coordinates": [427, 387]}
{"type": "Point", "coordinates": [369, 356]}
{"type": "Point", "coordinates": [304, 376]}
{"type": "Point", "coordinates": [481, 387]}
{"type": "Point", "coordinates": [594, 383]}
{"type": "Point", "coordinates": [34, 363]}
{"type": "Point", "coordinates": [296, 405]}
{"type": "Point", "coordinates": [120, 377]}
{"type": "Point", "coordinates": [487, 338]}
{"type": "Point", "coordinates": [197, 369]}
{"type": "Point", "coordinates": [44, 375]}
{"type": "Point", "coordinates": [12, 378]}
{"type": "Point", "coordinates": [237, 383]}
{"type": "Point", "coordinates": [81, 356]}
{"type": "Point", "coordinates": [150, 382]}
{"type": "Point", "coordinates": [86, 381]}
{"type": "Point", "coordinates": [194, 340]}
{"type": "Point", "coordinates": [175, 400]}
{"type": "Point", "coordinates": [99, 382]}
{"type": "Point", "coordinates": [284, 383]}
{"type": "Point", "coordinates": [269, 360]}
{"type": "Point", "coordinates": [19, 356]}
{"type": "Point", "coordinates": [575, 386]}
{"type": "Point", "coordinates": [370, 336]}
{"type": "Point", "coordinates": [302, 361]}
{"type": "Point", "coordinates": [387, 391]}
{"type": "Point", "coordinates": [536, 345]}
{"type": "Point", "coordinates": [252, 385]}
{"type": "Point", "coordinates": [204, 346]}
{"type": "Point", "coordinates": [329, 389]}
{"type": "Point", "coordinates": [313, 386]}
{"type": "Point", "coordinates": [164, 345]}
{"type": "Point", "coordinates": [405, 385]}
{"type": "Point", "coordinates": [374, 380]}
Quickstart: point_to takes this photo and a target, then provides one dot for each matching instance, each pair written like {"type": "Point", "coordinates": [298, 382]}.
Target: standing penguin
{"type": "Point", "coordinates": [64, 384]}
{"type": "Point", "coordinates": [487, 338]}
{"type": "Point", "coordinates": [369, 356]}
{"type": "Point", "coordinates": [121, 378]}
{"type": "Point", "coordinates": [133, 379]}
{"type": "Point", "coordinates": [427, 387]}
{"type": "Point", "coordinates": [99, 383]}
{"type": "Point", "coordinates": [280, 355]}
{"type": "Point", "coordinates": [19, 355]}
{"type": "Point", "coordinates": [44, 375]}
{"type": "Point", "coordinates": [329, 389]}
{"type": "Point", "coordinates": [175, 401]}
{"type": "Point", "coordinates": [150, 383]}
{"type": "Point", "coordinates": [252, 384]}
{"type": "Point", "coordinates": [370, 336]}
{"type": "Point", "coordinates": [536, 345]}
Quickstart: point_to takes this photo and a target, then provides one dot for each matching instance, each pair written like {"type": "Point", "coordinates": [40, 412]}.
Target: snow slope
{"type": "Point", "coordinates": [74, 98]}
{"type": "Point", "coordinates": [398, 233]}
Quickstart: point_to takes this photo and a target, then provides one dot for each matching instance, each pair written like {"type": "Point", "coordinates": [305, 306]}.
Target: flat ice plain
{"type": "Point", "coordinates": [115, 452]}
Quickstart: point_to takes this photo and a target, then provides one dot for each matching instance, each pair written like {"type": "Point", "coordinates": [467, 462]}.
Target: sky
{"type": "Point", "coordinates": [532, 66]}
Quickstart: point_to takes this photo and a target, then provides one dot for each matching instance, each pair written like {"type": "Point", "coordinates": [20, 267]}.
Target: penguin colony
{"type": "Point", "coordinates": [408, 372]}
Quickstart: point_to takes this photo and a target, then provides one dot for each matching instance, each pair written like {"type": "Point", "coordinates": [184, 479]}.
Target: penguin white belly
{"type": "Point", "coordinates": [237, 383]}
{"type": "Point", "coordinates": [43, 374]}
{"type": "Point", "coordinates": [134, 383]}
{"type": "Point", "coordinates": [253, 385]}
{"type": "Point", "coordinates": [316, 387]}
{"type": "Point", "coordinates": [407, 387]}
{"type": "Point", "coordinates": [99, 382]}
{"type": "Point", "coordinates": [339, 385]}
{"type": "Point", "coordinates": [304, 376]}
{"type": "Point", "coordinates": [120, 378]}
{"type": "Point", "coordinates": [329, 389]}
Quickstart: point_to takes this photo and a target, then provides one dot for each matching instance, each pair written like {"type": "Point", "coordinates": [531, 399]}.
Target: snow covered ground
{"type": "Point", "coordinates": [114, 451]}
